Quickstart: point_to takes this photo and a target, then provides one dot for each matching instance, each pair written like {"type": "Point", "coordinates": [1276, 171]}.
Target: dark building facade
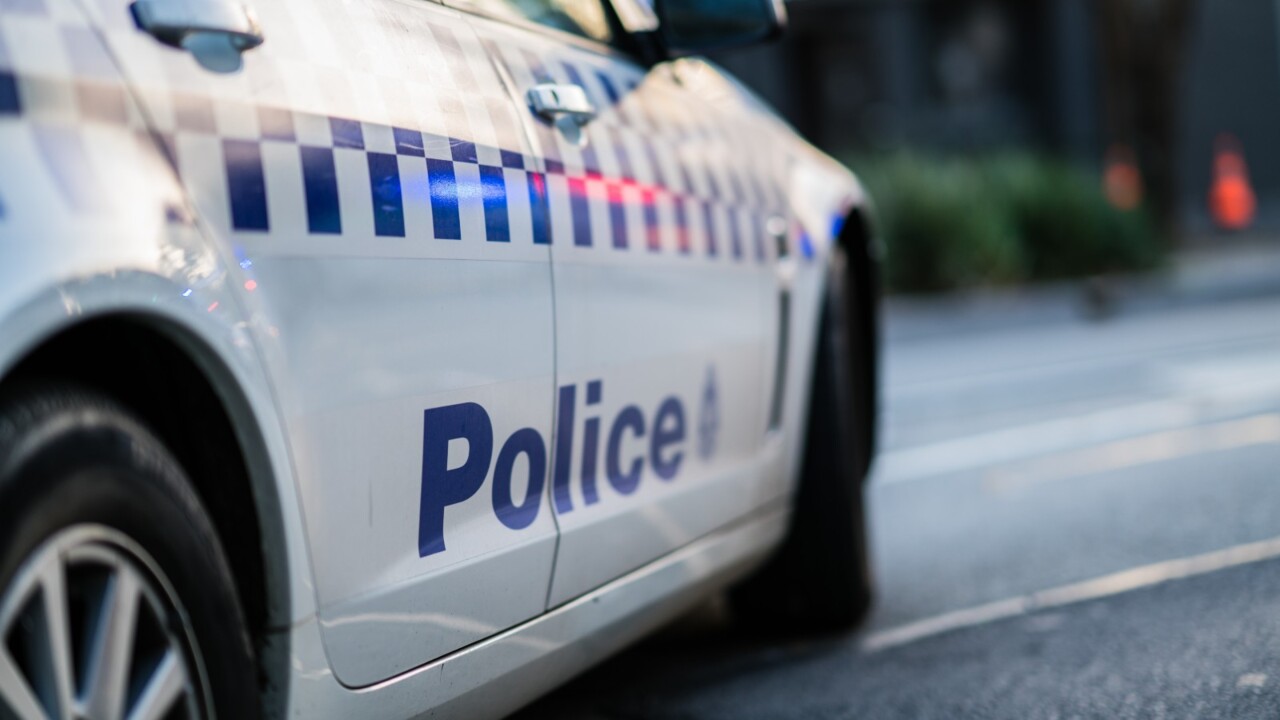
{"type": "Point", "coordinates": [977, 75]}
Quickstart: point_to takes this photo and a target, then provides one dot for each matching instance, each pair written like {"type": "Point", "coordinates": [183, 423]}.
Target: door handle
{"type": "Point", "coordinates": [215, 32]}
{"type": "Point", "coordinates": [777, 229]}
{"type": "Point", "coordinates": [561, 102]}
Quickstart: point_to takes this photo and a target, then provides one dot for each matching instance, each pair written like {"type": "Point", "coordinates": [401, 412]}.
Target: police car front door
{"type": "Point", "coordinates": [367, 169]}
{"type": "Point", "coordinates": [663, 292]}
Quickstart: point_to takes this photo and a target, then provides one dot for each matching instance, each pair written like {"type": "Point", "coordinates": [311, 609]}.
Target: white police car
{"type": "Point", "coordinates": [377, 358]}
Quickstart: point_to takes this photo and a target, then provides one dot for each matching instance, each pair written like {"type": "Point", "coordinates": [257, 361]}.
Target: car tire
{"type": "Point", "coordinates": [98, 521]}
{"type": "Point", "coordinates": [820, 579]}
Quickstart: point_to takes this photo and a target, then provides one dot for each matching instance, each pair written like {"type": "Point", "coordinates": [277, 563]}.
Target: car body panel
{"type": "Point", "coordinates": [662, 280]}
{"type": "Point", "coordinates": [94, 225]}
{"type": "Point", "coordinates": [349, 166]}
{"type": "Point", "coordinates": [184, 200]}
{"type": "Point", "coordinates": [495, 677]}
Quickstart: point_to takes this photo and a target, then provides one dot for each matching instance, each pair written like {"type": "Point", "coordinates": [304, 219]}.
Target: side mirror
{"type": "Point", "coordinates": [689, 27]}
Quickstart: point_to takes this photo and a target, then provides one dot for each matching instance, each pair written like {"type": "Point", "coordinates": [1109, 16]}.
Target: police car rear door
{"type": "Point", "coordinates": [366, 167]}
{"type": "Point", "coordinates": [662, 290]}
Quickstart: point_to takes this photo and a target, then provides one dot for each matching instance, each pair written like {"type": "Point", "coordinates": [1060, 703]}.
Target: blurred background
{"type": "Point", "coordinates": [1077, 136]}
{"type": "Point", "coordinates": [1075, 508]}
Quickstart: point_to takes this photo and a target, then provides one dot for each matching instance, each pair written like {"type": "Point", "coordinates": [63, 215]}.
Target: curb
{"type": "Point", "coordinates": [1200, 276]}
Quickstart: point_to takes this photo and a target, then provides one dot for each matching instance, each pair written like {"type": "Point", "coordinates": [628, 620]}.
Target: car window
{"type": "Point", "coordinates": [586, 18]}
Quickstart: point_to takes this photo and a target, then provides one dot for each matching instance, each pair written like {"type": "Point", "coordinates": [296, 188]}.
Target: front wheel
{"type": "Point", "coordinates": [116, 600]}
{"type": "Point", "coordinates": [820, 579]}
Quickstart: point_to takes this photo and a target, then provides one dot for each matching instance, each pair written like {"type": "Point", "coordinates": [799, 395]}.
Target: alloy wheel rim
{"type": "Point", "coordinates": [90, 628]}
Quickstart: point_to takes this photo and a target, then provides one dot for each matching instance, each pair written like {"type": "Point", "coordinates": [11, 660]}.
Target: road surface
{"type": "Point", "coordinates": [1070, 518]}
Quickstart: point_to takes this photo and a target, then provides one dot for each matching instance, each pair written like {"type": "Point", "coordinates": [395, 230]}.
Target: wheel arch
{"type": "Point", "coordinates": [857, 238]}
{"type": "Point", "coordinates": [167, 375]}
{"type": "Point", "coordinates": [820, 579]}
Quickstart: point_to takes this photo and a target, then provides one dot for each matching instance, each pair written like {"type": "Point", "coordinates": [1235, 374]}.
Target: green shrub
{"type": "Point", "coordinates": [1066, 227]}
{"type": "Point", "coordinates": [941, 228]}
{"type": "Point", "coordinates": [998, 220]}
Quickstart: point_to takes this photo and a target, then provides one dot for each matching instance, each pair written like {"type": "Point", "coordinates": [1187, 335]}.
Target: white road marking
{"type": "Point", "coordinates": [1016, 443]}
{"type": "Point", "coordinates": [1100, 587]}
{"type": "Point", "coordinates": [1199, 392]}
{"type": "Point", "coordinates": [1252, 680]}
{"type": "Point", "coordinates": [1134, 452]}
{"type": "Point", "coordinates": [1008, 445]}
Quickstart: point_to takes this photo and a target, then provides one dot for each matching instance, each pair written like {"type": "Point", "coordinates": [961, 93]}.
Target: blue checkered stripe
{"type": "Point", "coordinates": [700, 190]}
{"type": "Point", "coordinates": [407, 166]}
{"type": "Point", "coordinates": [403, 167]}
{"type": "Point", "coordinates": [59, 88]}
{"type": "Point", "coordinates": [52, 114]}
{"type": "Point", "coordinates": [413, 183]}
{"type": "Point", "coordinates": [52, 64]}
{"type": "Point", "coordinates": [399, 181]}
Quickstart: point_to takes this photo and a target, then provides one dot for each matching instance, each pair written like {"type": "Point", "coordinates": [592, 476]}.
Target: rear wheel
{"type": "Point", "coordinates": [820, 579]}
{"type": "Point", "coordinates": [116, 600]}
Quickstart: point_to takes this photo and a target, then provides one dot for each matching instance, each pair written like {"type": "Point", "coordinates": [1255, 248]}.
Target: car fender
{"type": "Point", "coordinates": [93, 223]}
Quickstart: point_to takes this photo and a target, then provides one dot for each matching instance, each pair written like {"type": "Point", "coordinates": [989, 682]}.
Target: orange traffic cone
{"type": "Point", "coordinates": [1232, 201]}
{"type": "Point", "coordinates": [1122, 180]}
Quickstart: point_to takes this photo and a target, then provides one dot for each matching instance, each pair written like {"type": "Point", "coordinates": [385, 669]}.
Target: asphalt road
{"type": "Point", "coordinates": [1070, 519]}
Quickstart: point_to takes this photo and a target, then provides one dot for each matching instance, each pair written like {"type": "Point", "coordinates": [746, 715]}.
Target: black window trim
{"type": "Point", "coordinates": [606, 49]}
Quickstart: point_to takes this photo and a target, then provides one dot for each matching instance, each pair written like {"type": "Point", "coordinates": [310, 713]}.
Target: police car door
{"type": "Point", "coordinates": [662, 295]}
{"type": "Point", "coordinates": [366, 168]}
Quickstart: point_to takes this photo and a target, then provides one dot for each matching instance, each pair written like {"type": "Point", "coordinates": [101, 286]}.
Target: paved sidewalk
{"type": "Point", "coordinates": [1212, 272]}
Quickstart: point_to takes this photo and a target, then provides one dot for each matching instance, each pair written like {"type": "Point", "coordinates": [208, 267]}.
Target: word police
{"type": "Point", "coordinates": [443, 486]}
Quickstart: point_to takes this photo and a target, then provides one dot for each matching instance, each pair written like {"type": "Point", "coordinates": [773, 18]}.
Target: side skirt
{"type": "Point", "coordinates": [500, 674]}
